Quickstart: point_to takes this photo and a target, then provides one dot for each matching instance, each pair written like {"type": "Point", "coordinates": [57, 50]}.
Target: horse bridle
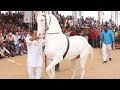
{"type": "Point", "coordinates": [46, 26]}
{"type": "Point", "coordinates": [57, 33]}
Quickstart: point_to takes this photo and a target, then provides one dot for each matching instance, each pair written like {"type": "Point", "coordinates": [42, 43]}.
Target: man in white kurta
{"type": "Point", "coordinates": [34, 60]}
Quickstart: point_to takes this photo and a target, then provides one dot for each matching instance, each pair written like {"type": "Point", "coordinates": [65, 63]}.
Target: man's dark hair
{"type": "Point", "coordinates": [105, 25]}
{"type": "Point", "coordinates": [31, 32]}
{"type": "Point", "coordinates": [20, 40]}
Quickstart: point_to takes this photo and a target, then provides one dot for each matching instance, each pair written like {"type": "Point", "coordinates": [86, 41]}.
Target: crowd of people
{"type": "Point", "coordinates": [12, 34]}
{"type": "Point", "coordinates": [13, 31]}
{"type": "Point", "coordinates": [88, 27]}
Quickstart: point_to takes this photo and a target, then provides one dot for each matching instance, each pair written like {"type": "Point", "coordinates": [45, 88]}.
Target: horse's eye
{"type": "Point", "coordinates": [41, 20]}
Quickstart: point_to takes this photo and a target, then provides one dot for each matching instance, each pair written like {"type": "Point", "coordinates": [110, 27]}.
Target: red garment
{"type": "Point", "coordinates": [25, 46]}
{"type": "Point", "coordinates": [95, 34]}
{"type": "Point", "coordinates": [73, 33]}
{"type": "Point", "coordinates": [68, 30]}
{"type": "Point", "coordinates": [90, 34]}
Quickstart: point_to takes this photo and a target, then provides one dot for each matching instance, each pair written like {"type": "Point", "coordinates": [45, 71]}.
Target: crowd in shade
{"type": "Point", "coordinates": [88, 26]}
{"type": "Point", "coordinates": [13, 31]}
{"type": "Point", "coordinates": [12, 34]}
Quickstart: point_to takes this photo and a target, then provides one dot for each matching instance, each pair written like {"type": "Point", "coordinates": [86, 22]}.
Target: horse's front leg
{"type": "Point", "coordinates": [52, 71]}
{"type": "Point", "coordinates": [51, 67]}
{"type": "Point", "coordinates": [49, 71]}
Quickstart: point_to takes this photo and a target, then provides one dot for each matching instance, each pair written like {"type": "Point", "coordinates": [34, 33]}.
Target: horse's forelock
{"type": "Point", "coordinates": [40, 27]}
{"type": "Point", "coordinates": [41, 13]}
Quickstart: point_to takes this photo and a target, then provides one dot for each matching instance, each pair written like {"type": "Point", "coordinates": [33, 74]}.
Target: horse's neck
{"type": "Point", "coordinates": [54, 25]}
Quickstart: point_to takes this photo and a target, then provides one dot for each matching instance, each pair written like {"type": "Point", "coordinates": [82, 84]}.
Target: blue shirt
{"type": "Point", "coordinates": [107, 37]}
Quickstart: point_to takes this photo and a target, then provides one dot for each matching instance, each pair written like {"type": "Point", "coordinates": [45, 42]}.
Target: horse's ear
{"type": "Point", "coordinates": [47, 12]}
{"type": "Point", "coordinates": [39, 14]}
{"type": "Point", "coordinates": [50, 12]}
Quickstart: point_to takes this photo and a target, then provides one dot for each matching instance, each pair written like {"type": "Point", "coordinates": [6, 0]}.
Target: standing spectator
{"type": "Point", "coordinates": [82, 20]}
{"type": "Point", "coordinates": [107, 37]}
{"type": "Point", "coordinates": [95, 38]}
{"type": "Point", "coordinates": [90, 36]}
{"type": "Point", "coordinates": [73, 32]}
{"type": "Point", "coordinates": [68, 31]}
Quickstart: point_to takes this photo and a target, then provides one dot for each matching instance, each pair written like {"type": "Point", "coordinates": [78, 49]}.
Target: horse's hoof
{"type": "Point", "coordinates": [81, 77]}
{"type": "Point", "coordinates": [57, 70]}
{"type": "Point", "coordinates": [91, 68]}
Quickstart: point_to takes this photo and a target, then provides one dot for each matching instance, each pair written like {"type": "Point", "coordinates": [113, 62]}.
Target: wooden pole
{"type": "Point", "coordinates": [44, 48]}
{"type": "Point", "coordinates": [45, 62]}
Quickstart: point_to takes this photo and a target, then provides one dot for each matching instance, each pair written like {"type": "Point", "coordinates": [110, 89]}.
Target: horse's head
{"type": "Point", "coordinates": [48, 19]}
{"type": "Point", "coordinates": [40, 23]}
{"type": "Point", "coordinates": [43, 21]}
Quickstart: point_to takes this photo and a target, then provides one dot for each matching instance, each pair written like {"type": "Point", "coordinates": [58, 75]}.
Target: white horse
{"type": "Point", "coordinates": [59, 47]}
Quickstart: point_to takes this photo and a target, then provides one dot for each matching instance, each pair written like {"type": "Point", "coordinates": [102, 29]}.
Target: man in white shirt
{"type": "Point", "coordinates": [34, 60]}
{"type": "Point", "coordinates": [16, 38]}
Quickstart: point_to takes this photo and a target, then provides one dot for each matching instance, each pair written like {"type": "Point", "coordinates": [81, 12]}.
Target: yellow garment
{"type": "Point", "coordinates": [1, 39]}
{"type": "Point", "coordinates": [116, 34]}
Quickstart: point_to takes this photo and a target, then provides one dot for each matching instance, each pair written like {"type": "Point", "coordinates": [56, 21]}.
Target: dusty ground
{"type": "Point", "coordinates": [94, 69]}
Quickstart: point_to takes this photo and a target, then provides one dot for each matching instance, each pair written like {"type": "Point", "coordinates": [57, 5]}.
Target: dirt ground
{"type": "Point", "coordinates": [94, 68]}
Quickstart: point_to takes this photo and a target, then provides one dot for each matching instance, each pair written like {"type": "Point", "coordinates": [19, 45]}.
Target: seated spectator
{"type": "Point", "coordinates": [25, 46]}
{"type": "Point", "coordinates": [16, 38]}
{"type": "Point", "coordinates": [4, 52]}
{"type": "Point", "coordinates": [1, 38]}
{"type": "Point", "coordinates": [10, 37]}
{"type": "Point", "coordinates": [20, 48]}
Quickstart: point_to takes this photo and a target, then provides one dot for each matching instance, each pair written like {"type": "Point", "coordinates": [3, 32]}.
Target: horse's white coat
{"type": "Point", "coordinates": [56, 45]}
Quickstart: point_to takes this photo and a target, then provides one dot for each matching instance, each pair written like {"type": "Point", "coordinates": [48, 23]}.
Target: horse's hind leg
{"type": "Point", "coordinates": [74, 67]}
{"type": "Point", "coordinates": [83, 59]}
{"type": "Point", "coordinates": [51, 66]}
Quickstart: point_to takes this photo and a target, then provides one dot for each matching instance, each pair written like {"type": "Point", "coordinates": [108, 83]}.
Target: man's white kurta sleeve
{"type": "Point", "coordinates": [28, 41]}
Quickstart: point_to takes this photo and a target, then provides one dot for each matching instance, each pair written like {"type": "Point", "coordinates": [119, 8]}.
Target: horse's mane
{"type": "Point", "coordinates": [56, 24]}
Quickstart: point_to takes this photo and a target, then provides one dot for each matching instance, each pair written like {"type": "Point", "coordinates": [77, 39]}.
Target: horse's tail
{"type": "Point", "coordinates": [91, 52]}
{"type": "Point", "coordinates": [91, 57]}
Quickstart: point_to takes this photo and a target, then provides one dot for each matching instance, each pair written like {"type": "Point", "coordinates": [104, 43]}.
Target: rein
{"type": "Point", "coordinates": [46, 28]}
{"type": "Point", "coordinates": [68, 43]}
{"type": "Point", "coordinates": [49, 25]}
